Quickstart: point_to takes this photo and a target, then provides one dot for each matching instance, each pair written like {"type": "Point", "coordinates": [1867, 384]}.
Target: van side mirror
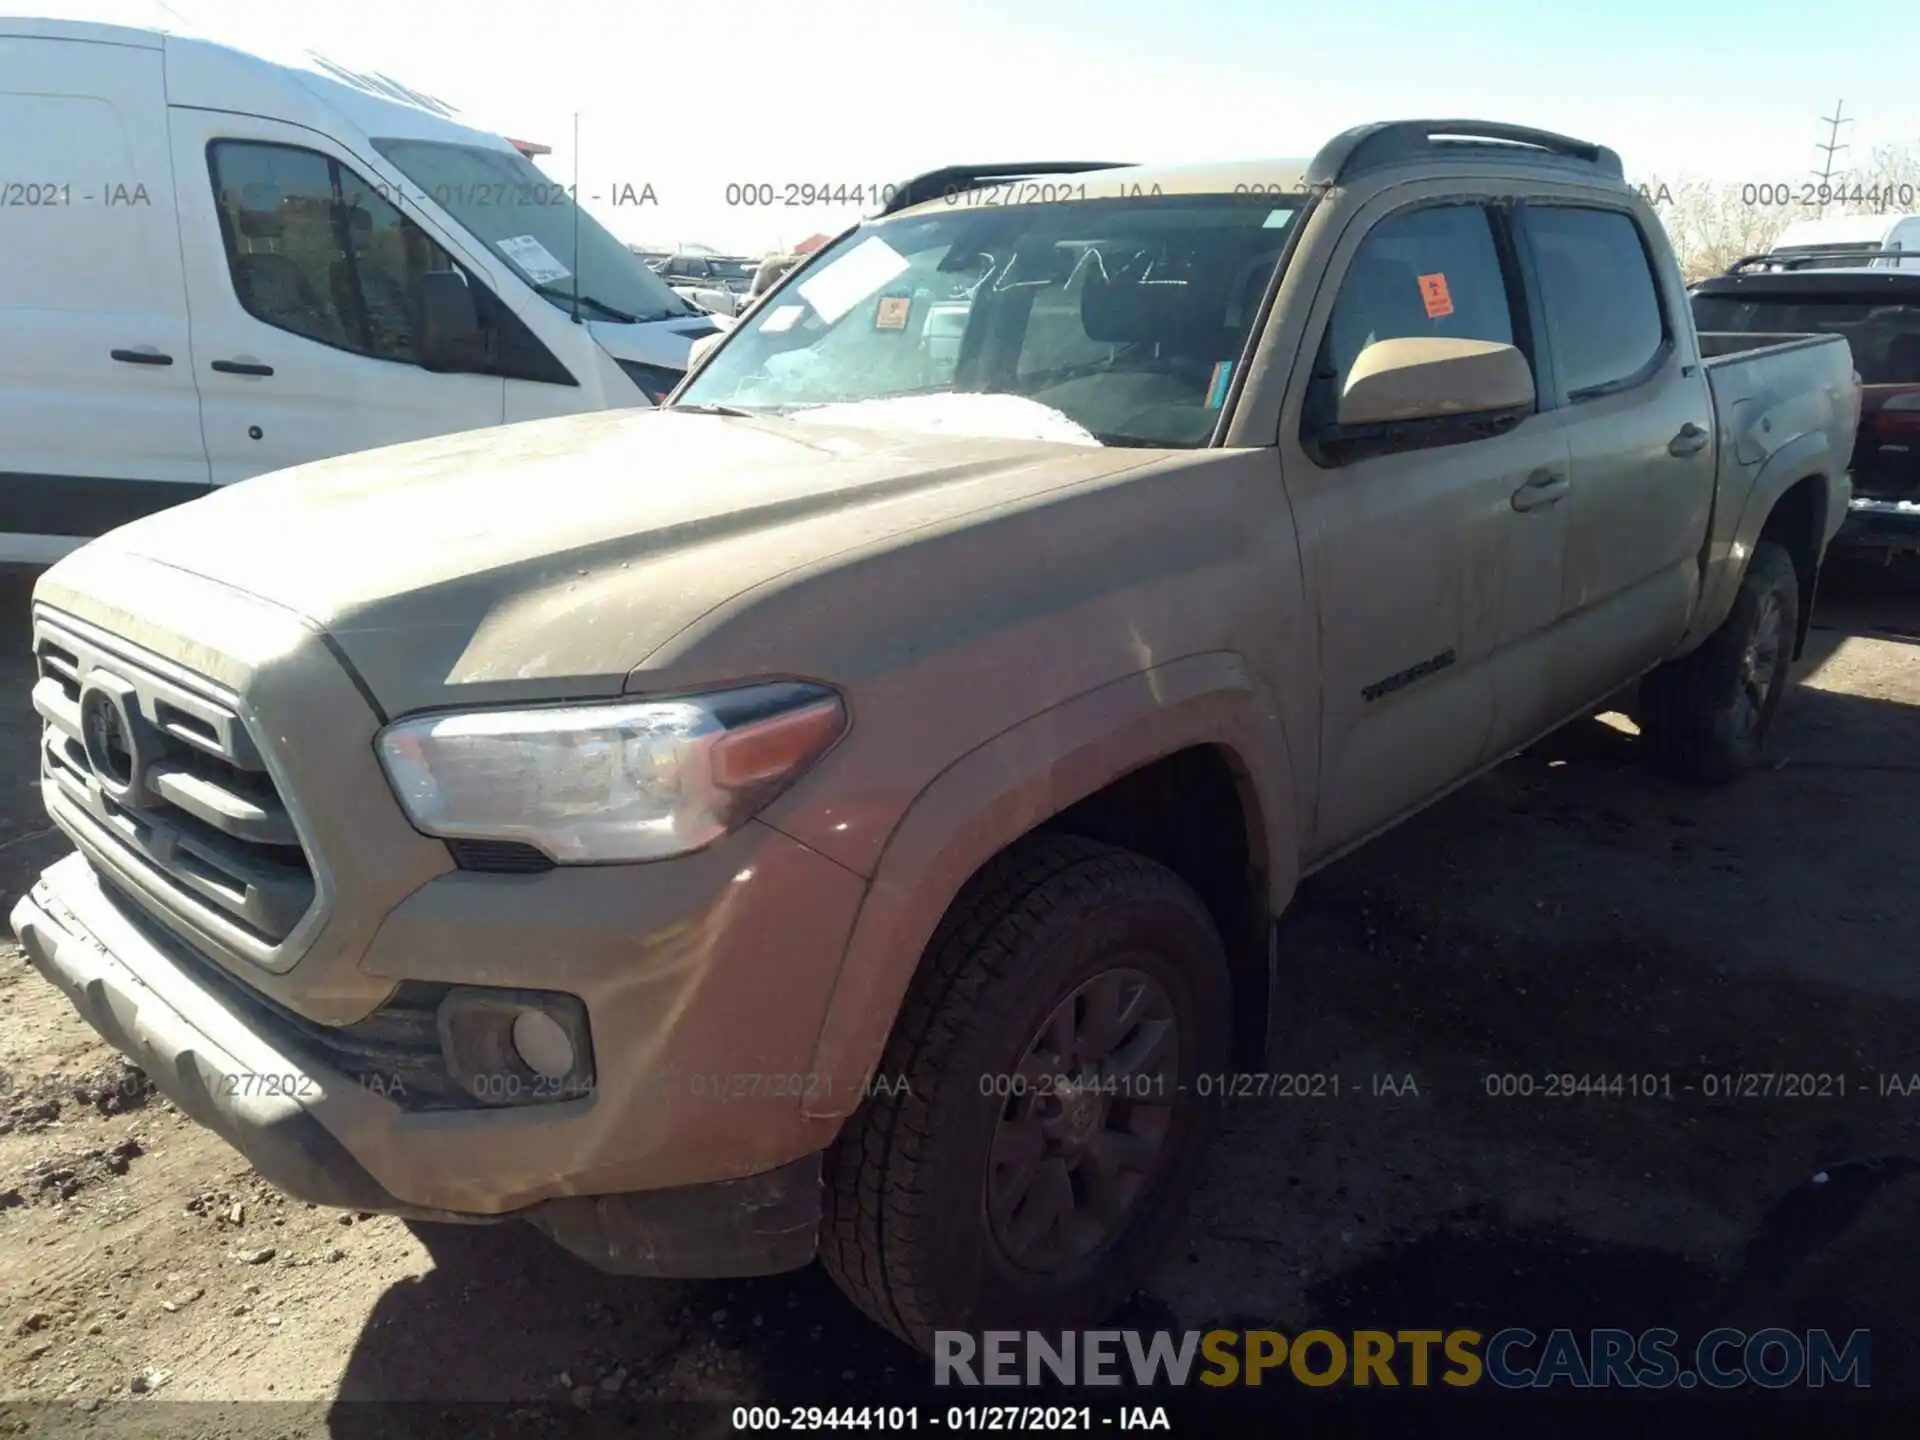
{"type": "Point", "coordinates": [1435, 378]}
{"type": "Point", "coordinates": [446, 323]}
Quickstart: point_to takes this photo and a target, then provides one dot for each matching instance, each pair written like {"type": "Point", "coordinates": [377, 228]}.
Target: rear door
{"type": "Point", "coordinates": [1640, 426]}
{"type": "Point", "coordinates": [300, 271]}
{"type": "Point", "coordinates": [99, 419]}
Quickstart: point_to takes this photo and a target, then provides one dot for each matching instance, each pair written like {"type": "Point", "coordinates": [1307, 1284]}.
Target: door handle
{"type": "Point", "coordinates": [1543, 488]}
{"type": "Point", "coordinates": [1690, 441]}
{"type": "Point", "coordinates": [141, 357]}
{"type": "Point", "coordinates": [241, 367]}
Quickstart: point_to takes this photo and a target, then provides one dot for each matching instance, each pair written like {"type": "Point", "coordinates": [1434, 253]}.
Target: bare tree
{"type": "Point", "coordinates": [1713, 223]}
{"type": "Point", "coordinates": [1890, 182]}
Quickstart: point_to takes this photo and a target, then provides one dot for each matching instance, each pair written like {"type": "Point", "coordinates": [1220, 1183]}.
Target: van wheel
{"type": "Point", "coordinates": [1043, 1142]}
{"type": "Point", "coordinates": [1706, 715]}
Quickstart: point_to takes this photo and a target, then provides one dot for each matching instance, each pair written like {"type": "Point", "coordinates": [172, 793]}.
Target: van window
{"type": "Point", "coordinates": [1598, 288]}
{"type": "Point", "coordinates": [315, 250]}
{"type": "Point", "coordinates": [519, 215]}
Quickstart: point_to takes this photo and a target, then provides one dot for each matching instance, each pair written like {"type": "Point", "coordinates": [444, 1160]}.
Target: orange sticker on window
{"type": "Point", "coordinates": [893, 312]}
{"type": "Point", "coordinates": [1433, 290]}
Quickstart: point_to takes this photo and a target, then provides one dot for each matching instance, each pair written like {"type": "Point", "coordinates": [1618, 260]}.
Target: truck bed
{"type": "Point", "coordinates": [1718, 345]}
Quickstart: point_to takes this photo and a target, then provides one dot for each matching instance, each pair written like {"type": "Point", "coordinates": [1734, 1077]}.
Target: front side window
{"type": "Point", "coordinates": [1115, 321]}
{"type": "Point", "coordinates": [1434, 271]}
{"type": "Point", "coordinates": [315, 249]}
{"type": "Point", "coordinates": [1429, 272]}
{"type": "Point", "coordinates": [287, 232]}
{"type": "Point", "coordinates": [1598, 289]}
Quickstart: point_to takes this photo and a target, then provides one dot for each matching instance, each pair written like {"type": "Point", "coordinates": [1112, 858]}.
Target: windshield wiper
{"type": "Point", "coordinates": [705, 409]}
{"type": "Point", "coordinates": [557, 292]}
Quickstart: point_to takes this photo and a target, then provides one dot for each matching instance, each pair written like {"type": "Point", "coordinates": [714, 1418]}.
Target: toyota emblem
{"type": "Point", "coordinates": [108, 737]}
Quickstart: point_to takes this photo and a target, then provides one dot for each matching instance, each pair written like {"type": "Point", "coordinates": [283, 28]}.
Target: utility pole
{"type": "Point", "coordinates": [1824, 176]}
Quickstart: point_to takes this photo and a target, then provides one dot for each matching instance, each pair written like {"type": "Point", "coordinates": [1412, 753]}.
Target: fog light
{"type": "Point", "coordinates": [542, 1044]}
{"type": "Point", "coordinates": [516, 1047]}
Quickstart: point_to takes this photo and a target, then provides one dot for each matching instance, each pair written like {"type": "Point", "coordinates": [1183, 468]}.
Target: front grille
{"type": "Point", "coordinates": [160, 774]}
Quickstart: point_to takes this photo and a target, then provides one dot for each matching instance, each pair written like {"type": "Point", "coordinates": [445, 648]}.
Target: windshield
{"type": "Point", "coordinates": [1885, 337]}
{"type": "Point", "coordinates": [1126, 317]}
{"type": "Point", "coordinates": [734, 269]}
{"type": "Point", "coordinates": [528, 220]}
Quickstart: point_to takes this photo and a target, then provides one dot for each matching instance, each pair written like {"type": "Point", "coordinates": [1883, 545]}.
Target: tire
{"type": "Point", "coordinates": [1705, 716]}
{"type": "Point", "coordinates": [920, 1230]}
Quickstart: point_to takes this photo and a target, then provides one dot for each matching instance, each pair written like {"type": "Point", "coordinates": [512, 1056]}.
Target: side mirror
{"type": "Point", "coordinates": [1433, 378]}
{"type": "Point", "coordinates": [446, 323]}
{"type": "Point", "coordinates": [702, 347]}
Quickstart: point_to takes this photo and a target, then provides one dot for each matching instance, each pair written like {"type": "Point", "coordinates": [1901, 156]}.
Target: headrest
{"type": "Point", "coordinates": [256, 211]}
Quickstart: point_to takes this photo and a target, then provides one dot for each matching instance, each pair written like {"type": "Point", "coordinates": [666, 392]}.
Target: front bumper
{"type": "Point", "coordinates": [1886, 526]}
{"type": "Point", "coordinates": [606, 1176]}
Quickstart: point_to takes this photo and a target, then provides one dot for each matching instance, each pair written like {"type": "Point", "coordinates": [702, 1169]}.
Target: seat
{"type": "Point", "coordinates": [277, 289]}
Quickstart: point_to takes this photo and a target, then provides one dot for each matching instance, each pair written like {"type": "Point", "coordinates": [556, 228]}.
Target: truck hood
{"type": "Point", "coordinates": [549, 559]}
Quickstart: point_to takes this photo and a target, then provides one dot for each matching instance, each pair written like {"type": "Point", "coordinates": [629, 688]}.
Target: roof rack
{"type": "Point", "coordinates": [957, 179]}
{"type": "Point", "coordinates": [1800, 255]}
{"type": "Point", "coordinates": [1389, 142]}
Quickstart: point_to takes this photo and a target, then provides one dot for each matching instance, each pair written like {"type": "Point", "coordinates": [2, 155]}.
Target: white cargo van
{"type": "Point", "coordinates": [212, 266]}
{"type": "Point", "coordinates": [1845, 242]}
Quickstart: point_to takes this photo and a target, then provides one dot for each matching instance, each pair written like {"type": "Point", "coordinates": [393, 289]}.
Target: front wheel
{"type": "Point", "coordinates": [1706, 715]}
{"type": "Point", "coordinates": [1033, 1160]}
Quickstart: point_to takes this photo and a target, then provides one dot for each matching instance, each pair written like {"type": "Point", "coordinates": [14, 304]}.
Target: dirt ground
{"type": "Point", "coordinates": [1569, 913]}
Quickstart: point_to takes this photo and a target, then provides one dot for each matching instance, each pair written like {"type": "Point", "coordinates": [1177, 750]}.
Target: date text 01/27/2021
{"type": "Point", "coordinates": [907, 1419]}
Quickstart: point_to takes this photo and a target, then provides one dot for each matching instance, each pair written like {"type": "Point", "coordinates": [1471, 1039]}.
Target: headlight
{"type": "Point", "coordinates": [634, 780]}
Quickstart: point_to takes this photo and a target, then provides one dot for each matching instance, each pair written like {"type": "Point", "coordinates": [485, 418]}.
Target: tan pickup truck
{"type": "Point", "coordinates": [844, 812]}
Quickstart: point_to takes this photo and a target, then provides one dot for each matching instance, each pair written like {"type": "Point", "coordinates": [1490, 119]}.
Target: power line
{"type": "Point", "coordinates": [1831, 148]}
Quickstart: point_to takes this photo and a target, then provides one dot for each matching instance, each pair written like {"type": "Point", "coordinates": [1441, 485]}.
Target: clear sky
{"type": "Point", "coordinates": [691, 97]}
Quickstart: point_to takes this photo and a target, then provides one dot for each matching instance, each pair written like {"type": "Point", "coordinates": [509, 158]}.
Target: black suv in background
{"type": "Point", "coordinates": [1878, 310]}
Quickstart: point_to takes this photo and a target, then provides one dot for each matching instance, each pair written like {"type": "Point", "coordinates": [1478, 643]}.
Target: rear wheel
{"type": "Point", "coordinates": [1706, 715]}
{"type": "Point", "coordinates": [1032, 1162]}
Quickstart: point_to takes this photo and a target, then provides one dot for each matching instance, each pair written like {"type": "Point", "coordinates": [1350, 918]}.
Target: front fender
{"type": "Point", "coordinates": [1004, 788]}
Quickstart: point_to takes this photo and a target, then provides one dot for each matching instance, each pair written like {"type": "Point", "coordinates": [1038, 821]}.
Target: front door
{"type": "Point", "coordinates": [1423, 571]}
{"type": "Point", "coordinates": [300, 274]}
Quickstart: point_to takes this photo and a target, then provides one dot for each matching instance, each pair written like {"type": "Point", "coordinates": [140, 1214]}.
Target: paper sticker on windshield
{"type": "Point", "coordinates": [852, 278]}
{"type": "Point", "coordinates": [1217, 387]}
{"type": "Point", "coordinates": [892, 312]}
{"type": "Point", "coordinates": [781, 319]}
{"type": "Point", "coordinates": [1433, 290]}
{"type": "Point", "coordinates": [1277, 220]}
{"type": "Point", "coordinates": [533, 258]}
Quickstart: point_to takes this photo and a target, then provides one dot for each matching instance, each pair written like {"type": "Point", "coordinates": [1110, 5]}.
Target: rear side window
{"type": "Point", "coordinates": [1602, 302]}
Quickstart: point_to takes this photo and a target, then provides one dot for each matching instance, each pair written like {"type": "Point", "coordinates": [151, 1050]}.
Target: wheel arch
{"type": "Point", "coordinates": [1788, 503]}
{"type": "Point", "coordinates": [1100, 765]}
